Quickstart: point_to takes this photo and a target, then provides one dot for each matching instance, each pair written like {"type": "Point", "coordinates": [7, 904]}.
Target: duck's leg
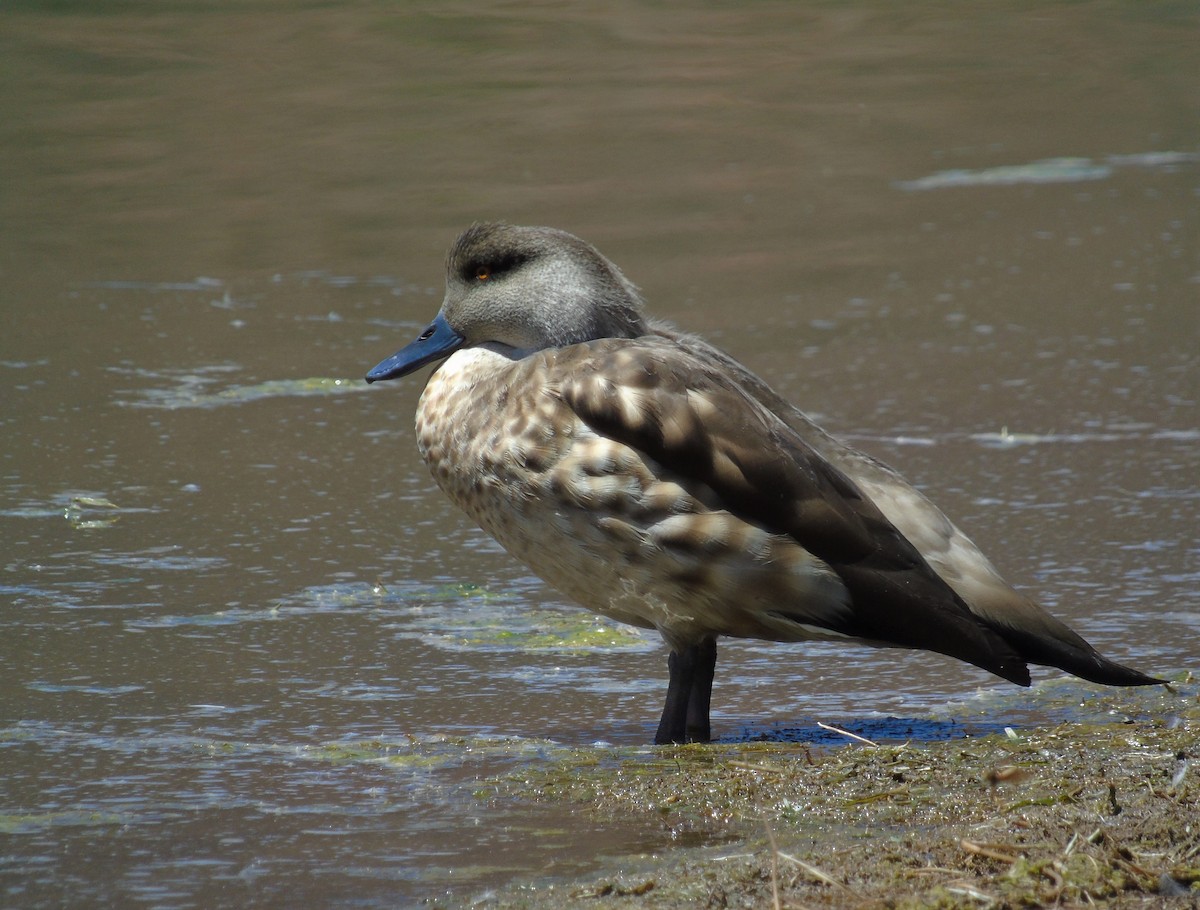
{"type": "Point", "coordinates": [699, 730]}
{"type": "Point", "coordinates": [672, 728]}
{"type": "Point", "coordinates": [685, 714]}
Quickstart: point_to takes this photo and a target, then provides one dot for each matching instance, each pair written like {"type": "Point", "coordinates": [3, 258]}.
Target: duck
{"type": "Point", "coordinates": [652, 478]}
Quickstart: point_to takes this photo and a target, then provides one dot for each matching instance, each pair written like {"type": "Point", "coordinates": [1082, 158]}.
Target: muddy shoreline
{"type": "Point", "coordinates": [1071, 814]}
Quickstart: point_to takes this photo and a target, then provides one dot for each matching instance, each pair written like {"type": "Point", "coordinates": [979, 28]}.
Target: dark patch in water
{"type": "Point", "coordinates": [876, 729]}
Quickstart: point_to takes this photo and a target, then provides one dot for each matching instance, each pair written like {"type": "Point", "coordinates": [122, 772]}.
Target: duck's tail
{"type": "Point", "coordinates": [1042, 639]}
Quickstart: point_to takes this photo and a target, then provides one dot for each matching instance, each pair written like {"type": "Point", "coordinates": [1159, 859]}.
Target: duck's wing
{"type": "Point", "coordinates": [696, 421]}
{"type": "Point", "coordinates": [1037, 635]}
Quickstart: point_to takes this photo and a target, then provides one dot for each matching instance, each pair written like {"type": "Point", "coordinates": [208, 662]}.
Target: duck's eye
{"type": "Point", "coordinates": [483, 273]}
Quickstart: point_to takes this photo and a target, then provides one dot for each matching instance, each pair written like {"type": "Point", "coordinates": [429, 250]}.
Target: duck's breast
{"type": "Point", "coordinates": [602, 521]}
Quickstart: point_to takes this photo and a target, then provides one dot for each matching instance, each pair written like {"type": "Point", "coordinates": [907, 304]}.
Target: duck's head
{"type": "Point", "coordinates": [519, 290]}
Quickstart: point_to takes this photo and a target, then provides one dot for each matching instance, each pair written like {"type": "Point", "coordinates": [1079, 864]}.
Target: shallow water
{"type": "Point", "coordinates": [253, 658]}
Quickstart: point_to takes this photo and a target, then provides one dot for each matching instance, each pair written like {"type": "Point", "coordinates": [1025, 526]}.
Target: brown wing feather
{"type": "Point", "coordinates": [651, 394]}
{"type": "Point", "coordinates": [1038, 636]}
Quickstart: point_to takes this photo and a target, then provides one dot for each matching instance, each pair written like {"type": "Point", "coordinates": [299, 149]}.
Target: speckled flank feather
{"type": "Point", "coordinates": [655, 480]}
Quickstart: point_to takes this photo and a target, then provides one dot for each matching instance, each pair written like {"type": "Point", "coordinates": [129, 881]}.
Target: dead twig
{"type": "Point", "coordinates": [841, 732]}
{"type": "Point", "coordinates": [1000, 852]}
{"type": "Point", "coordinates": [751, 766]}
{"type": "Point", "coordinates": [816, 873]}
{"type": "Point", "coordinates": [969, 890]}
{"type": "Point", "coordinates": [774, 868]}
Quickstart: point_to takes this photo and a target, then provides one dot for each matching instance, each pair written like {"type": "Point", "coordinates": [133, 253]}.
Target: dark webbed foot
{"type": "Point", "coordinates": [685, 717]}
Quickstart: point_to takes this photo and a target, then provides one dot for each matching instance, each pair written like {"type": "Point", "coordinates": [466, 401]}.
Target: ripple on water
{"type": "Point", "coordinates": [404, 809]}
{"type": "Point", "coordinates": [1049, 170]}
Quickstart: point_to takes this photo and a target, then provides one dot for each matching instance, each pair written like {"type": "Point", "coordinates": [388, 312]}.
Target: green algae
{"type": "Point", "coordinates": [280, 388]}
{"type": "Point", "coordinates": [31, 822]}
{"type": "Point", "coordinates": [202, 388]}
{"type": "Point", "coordinates": [458, 617]}
{"type": "Point", "coordinates": [431, 752]}
{"type": "Point", "coordinates": [503, 622]}
{"type": "Point", "coordinates": [535, 630]}
{"type": "Point", "coordinates": [85, 512]}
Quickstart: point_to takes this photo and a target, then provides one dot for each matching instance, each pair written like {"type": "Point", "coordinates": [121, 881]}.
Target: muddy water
{"type": "Point", "coordinates": [252, 658]}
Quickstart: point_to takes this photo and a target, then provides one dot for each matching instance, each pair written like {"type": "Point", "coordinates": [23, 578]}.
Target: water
{"type": "Point", "coordinates": [253, 658]}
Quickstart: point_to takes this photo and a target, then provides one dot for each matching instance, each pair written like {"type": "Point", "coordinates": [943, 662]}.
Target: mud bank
{"type": "Point", "coordinates": [1071, 814]}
